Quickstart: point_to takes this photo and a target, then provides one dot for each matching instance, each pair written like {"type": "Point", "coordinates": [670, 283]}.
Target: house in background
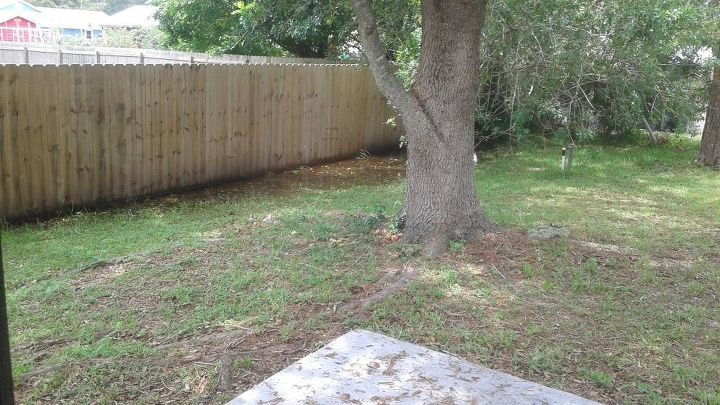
{"type": "Point", "coordinates": [134, 27]}
{"type": "Point", "coordinates": [133, 17]}
{"type": "Point", "coordinates": [23, 22]}
{"type": "Point", "coordinates": [83, 26]}
{"type": "Point", "coordinates": [19, 22]}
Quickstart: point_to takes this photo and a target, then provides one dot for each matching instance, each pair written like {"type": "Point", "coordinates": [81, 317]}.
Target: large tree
{"type": "Point", "coordinates": [437, 113]}
{"type": "Point", "coordinates": [710, 145]}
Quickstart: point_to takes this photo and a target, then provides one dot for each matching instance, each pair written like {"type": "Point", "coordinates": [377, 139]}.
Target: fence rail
{"type": "Point", "coordinates": [82, 135]}
{"type": "Point", "coordinates": [52, 54]}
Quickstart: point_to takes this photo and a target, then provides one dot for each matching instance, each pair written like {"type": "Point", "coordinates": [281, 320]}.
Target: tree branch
{"type": "Point", "coordinates": [383, 70]}
{"type": "Point", "coordinates": [406, 103]}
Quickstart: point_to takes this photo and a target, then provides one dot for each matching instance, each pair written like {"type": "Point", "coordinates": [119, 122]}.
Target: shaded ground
{"type": "Point", "coordinates": [196, 298]}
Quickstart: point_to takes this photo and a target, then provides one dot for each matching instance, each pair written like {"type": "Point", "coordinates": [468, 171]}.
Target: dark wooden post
{"type": "Point", "coordinates": [570, 155]}
{"type": "Point", "coordinates": [6, 384]}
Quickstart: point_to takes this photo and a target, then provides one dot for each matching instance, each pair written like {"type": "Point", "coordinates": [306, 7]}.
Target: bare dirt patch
{"type": "Point", "coordinates": [101, 272]}
{"type": "Point", "coordinates": [504, 252]}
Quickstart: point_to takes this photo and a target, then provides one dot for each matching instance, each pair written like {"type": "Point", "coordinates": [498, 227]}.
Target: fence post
{"type": "Point", "coordinates": [142, 58]}
{"type": "Point", "coordinates": [60, 56]}
{"type": "Point", "coordinates": [192, 59]}
{"type": "Point", "coordinates": [97, 57]}
{"type": "Point", "coordinates": [26, 55]}
{"type": "Point", "coordinates": [6, 384]}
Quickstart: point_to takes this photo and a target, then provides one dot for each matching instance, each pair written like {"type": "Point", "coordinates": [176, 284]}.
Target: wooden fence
{"type": "Point", "coordinates": [82, 135]}
{"type": "Point", "coordinates": [52, 54]}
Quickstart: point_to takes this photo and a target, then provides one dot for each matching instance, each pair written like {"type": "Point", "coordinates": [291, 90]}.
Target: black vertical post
{"type": "Point", "coordinates": [6, 384]}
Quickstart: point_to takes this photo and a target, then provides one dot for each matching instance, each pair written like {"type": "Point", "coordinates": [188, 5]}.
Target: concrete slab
{"type": "Point", "coordinates": [362, 367]}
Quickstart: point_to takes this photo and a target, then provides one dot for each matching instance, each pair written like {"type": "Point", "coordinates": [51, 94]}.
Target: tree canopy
{"type": "Point", "coordinates": [108, 6]}
{"type": "Point", "coordinates": [575, 69]}
{"type": "Point", "coordinates": [313, 28]}
{"type": "Point", "coordinates": [309, 28]}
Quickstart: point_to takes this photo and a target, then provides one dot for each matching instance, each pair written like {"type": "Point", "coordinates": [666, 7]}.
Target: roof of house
{"type": "Point", "coordinates": [71, 18]}
{"type": "Point", "coordinates": [9, 15]}
{"type": "Point", "coordinates": [10, 9]}
{"type": "Point", "coordinates": [48, 17]}
{"type": "Point", "coordinates": [17, 6]}
{"type": "Point", "coordinates": [134, 16]}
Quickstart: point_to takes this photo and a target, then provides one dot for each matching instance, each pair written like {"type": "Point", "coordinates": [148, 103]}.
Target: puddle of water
{"type": "Point", "coordinates": [373, 170]}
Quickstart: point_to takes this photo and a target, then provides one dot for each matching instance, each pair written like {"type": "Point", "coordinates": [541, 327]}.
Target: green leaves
{"type": "Point", "coordinates": [577, 67]}
{"type": "Point", "coordinates": [587, 67]}
{"type": "Point", "coordinates": [303, 28]}
{"type": "Point", "coordinates": [309, 28]}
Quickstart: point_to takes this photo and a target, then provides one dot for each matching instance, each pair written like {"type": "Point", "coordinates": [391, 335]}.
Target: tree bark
{"type": "Point", "coordinates": [651, 134]}
{"type": "Point", "coordinates": [710, 145]}
{"type": "Point", "coordinates": [438, 115]}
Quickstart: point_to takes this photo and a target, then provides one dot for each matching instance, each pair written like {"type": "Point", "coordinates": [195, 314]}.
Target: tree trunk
{"type": "Point", "coordinates": [710, 145]}
{"type": "Point", "coordinates": [438, 115]}
{"type": "Point", "coordinates": [651, 134]}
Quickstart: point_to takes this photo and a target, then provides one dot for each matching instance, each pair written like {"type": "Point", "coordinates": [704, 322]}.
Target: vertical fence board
{"type": "Point", "coordinates": [241, 121]}
{"type": "Point", "coordinates": [167, 121]}
{"type": "Point", "coordinates": [52, 171]}
{"type": "Point", "coordinates": [72, 165]}
{"type": "Point", "coordinates": [156, 118]}
{"type": "Point", "coordinates": [13, 135]}
{"type": "Point", "coordinates": [184, 163]}
{"type": "Point", "coordinates": [176, 137]}
{"type": "Point", "coordinates": [264, 84]}
{"type": "Point", "coordinates": [259, 126]}
{"type": "Point", "coordinates": [97, 134]}
{"type": "Point", "coordinates": [211, 158]}
{"type": "Point", "coordinates": [119, 146]}
{"type": "Point", "coordinates": [4, 203]}
{"type": "Point", "coordinates": [108, 135]}
{"type": "Point", "coordinates": [64, 91]}
{"type": "Point", "coordinates": [309, 121]}
{"type": "Point", "coordinates": [233, 129]}
{"type": "Point", "coordinates": [296, 108]}
{"type": "Point", "coordinates": [252, 121]}
{"type": "Point", "coordinates": [138, 86]}
{"type": "Point", "coordinates": [161, 120]}
{"type": "Point", "coordinates": [195, 125]}
{"type": "Point", "coordinates": [276, 117]}
{"type": "Point", "coordinates": [325, 110]}
{"type": "Point", "coordinates": [304, 115]}
{"type": "Point", "coordinates": [29, 176]}
{"type": "Point", "coordinates": [81, 143]}
{"type": "Point", "coordinates": [221, 121]}
{"type": "Point", "coordinates": [287, 108]}
{"type": "Point", "coordinates": [202, 127]}
{"type": "Point", "coordinates": [8, 116]}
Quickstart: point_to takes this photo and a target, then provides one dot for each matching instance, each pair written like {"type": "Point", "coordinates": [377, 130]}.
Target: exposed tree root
{"type": "Point", "coordinates": [391, 283]}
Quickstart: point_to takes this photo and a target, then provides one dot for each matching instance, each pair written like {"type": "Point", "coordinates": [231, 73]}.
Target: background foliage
{"type": "Point", "coordinates": [570, 69]}
{"type": "Point", "coordinates": [108, 6]}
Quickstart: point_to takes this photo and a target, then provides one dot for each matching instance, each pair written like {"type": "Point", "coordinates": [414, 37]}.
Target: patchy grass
{"type": "Point", "coordinates": [194, 299]}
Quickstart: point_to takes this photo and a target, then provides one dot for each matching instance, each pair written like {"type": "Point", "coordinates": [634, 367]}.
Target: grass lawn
{"type": "Point", "coordinates": [197, 298]}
